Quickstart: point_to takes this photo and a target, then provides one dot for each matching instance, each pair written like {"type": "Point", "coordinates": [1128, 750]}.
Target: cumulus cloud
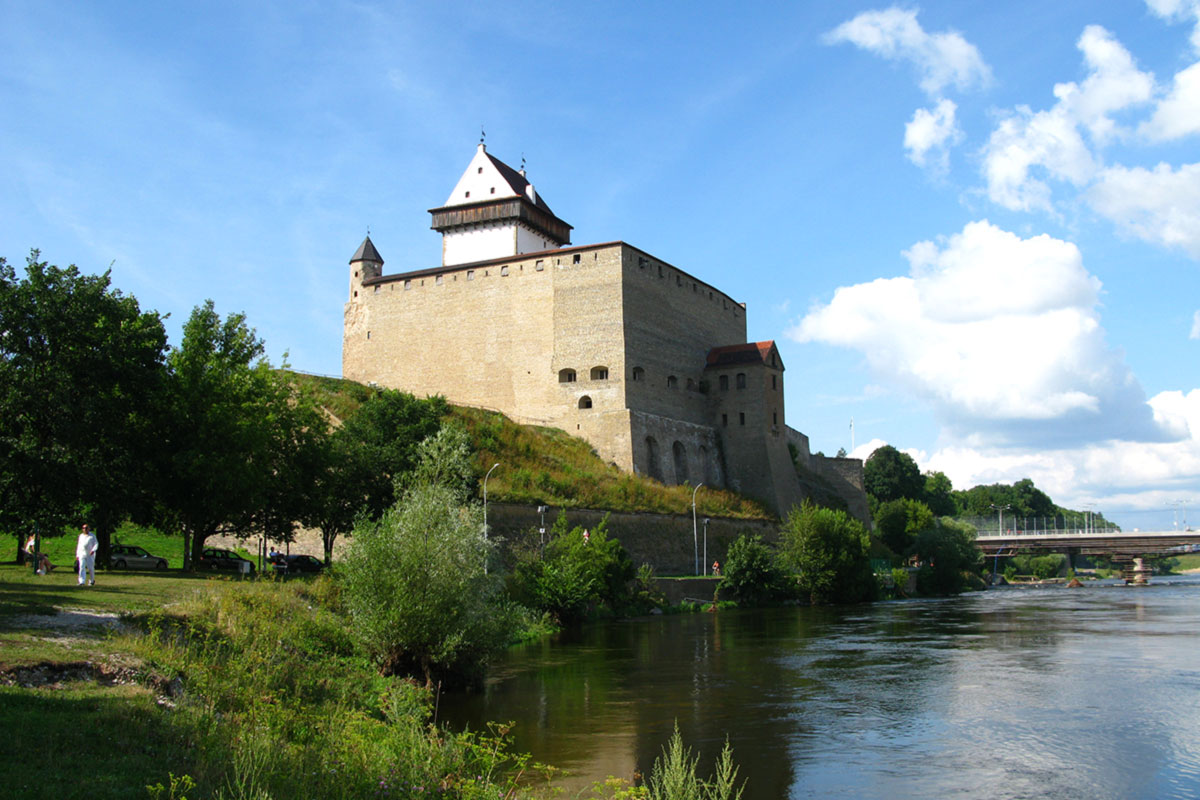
{"type": "Point", "coordinates": [942, 59]}
{"type": "Point", "coordinates": [1178, 113]}
{"type": "Point", "coordinates": [929, 135]}
{"type": "Point", "coordinates": [1053, 140]}
{"type": "Point", "coordinates": [1161, 205]}
{"type": "Point", "coordinates": [998, 333]}
{"type": "Point", "coordinates": [1179, 11]}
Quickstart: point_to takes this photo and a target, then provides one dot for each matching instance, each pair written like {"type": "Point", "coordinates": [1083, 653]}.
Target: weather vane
{"type": "Point", "coordinates": [482, 135]}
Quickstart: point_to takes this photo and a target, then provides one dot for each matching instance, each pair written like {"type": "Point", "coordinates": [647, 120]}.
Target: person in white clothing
{"type": "Point", "coordinates": [85, 551]}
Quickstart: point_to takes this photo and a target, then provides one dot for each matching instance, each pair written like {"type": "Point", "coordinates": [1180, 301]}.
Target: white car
{"type": "Point", "coordinates": [129, 556]}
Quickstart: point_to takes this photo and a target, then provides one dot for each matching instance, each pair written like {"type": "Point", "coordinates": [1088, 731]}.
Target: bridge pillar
{"type": "Point", "coordinates": [1139, 574]}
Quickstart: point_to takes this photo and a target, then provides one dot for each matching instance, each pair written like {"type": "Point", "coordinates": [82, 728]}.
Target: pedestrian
{"type": "Point", "coordinates": [41, 560]}
{"type": "Point", "coordinates": [85, 552]}
{"type": "Point", "coordinates": [717, 568]}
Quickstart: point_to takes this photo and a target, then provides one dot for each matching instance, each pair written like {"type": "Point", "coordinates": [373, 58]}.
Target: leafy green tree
{"type": "Point", "coordinates": [237, 427]}
{"type": "Point", "coordinates": [897, 522]}
{"type": "Point", "coordinates": [1022, 498]}
{"type": "Point", "coordinates": [939, 494]}
{"type": "Point", "coordinates": [416, 585]}
{"type": "Point", "coordinates": [830, 549]}
{"type": "Point", "coordinates": [947, 551]}
{"type": "Point", "coordinates": [573, 576]}
{"type": "Point", "coordinates": [753, 575]}
{"type": "Point", "coordinates": [81, 377]}
{"type": "Point", "coordinates": [890, 474]}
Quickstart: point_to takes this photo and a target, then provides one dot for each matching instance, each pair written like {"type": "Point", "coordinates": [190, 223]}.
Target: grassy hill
{"type": "Point", "coordinates": [548, 466]}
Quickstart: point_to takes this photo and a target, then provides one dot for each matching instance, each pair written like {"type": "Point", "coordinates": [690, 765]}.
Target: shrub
{"type": "Point", "coordinates": [946, 551]}
{"type": "Point", "coordinates": [830, 550]}
{"type": "Point", "coordinates": [417, 587]}
{"type": "Point", "coordinates": [753, 574]}
{"type": "Point", "coordinates": [898, 522]}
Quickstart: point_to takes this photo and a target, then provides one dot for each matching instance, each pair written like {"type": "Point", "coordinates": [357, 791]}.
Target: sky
{"type": "Point", "coordinates": [973, 229]}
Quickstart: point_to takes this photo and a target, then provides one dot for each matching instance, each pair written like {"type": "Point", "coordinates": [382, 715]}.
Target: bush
{"type": "Point", "coordinates": [418, 590]}
{"type": "Point", "coordinates": [830, 550]}
{"type": "Point", "coordinates": [574, 577]}
{"type": "Point", "coordinates": [753, 574]}
{"type": "Point", "coordinates": [898, 522]}
{"type": "Point", "coordinates": [946, 551]}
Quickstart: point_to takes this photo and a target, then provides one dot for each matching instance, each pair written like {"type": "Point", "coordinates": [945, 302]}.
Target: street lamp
{"type": "Point", "coordinates": [485, 479]}
{"type": "Point", "coordinates": [542, 530]}
{"type": "Point", "coordinates": [695, 538]}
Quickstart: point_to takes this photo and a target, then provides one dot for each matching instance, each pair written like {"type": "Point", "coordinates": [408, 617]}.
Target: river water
{"type": "Point", "coordinates": [1009, 693]}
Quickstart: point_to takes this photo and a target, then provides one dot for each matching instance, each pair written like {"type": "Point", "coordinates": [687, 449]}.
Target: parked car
{"type": "Point", "coordinates": [297, 565]}
{"type": "Point", "coordinates": [219, 559]}
{"type": "Point", "coordinates": [130, 556]}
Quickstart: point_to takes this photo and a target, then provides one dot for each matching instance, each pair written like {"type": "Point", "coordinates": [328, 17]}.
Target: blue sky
{"type": "Point", "coordinates": [972, 228]}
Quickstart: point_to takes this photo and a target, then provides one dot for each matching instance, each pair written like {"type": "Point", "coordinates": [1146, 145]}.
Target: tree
{"type": "Point", "coordinates": [830, 551]}
{"type": "Point", "coordinates": [236, 426]}
{"type": "Point", "coordinates": [892, 475]}
{"type": "Point", "coordinates": [753, 574]}
{"type": "Point", "coordinates": [939, 494]}
{"type": "Point", "coordinates": [416, 585]}
{"type": "Point", "coordinates": [81, 377]}
{"type": "Point", "coordinates": [897, 522]}
{"type": "Point", "coordinates": [946, 550]}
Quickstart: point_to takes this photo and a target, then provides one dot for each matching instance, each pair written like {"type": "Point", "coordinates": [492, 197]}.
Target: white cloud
{"type": "Point", "coordinates": [1181, 11]}
{"type": "Point", "coordinates": [1053, 140]}
{"type": "Point", "coordinates": [942, 59]}
{"type": "Point", "coordinates": [1195, 334]}
{"type": "Point", "coordinates": [930, 133]}
{"type": "Point", "coordinates": [1160, 205]}
{"type": "Point", "coordinates": [999, 334]}
{"type": "Point", "coordinates": [1177, 114]}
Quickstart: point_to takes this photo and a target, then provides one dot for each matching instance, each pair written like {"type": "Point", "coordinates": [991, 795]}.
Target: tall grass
{"type": "Point", "coordinates": [548, 466]}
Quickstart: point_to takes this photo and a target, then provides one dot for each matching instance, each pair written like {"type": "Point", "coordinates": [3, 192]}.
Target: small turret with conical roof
{"type": "Point", "coordinates": [365, 263]}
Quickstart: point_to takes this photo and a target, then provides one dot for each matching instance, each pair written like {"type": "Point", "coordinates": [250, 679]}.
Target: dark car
{"type": "Point", "coordinates": [130, 556]}
{"type": "Point", "coordinates": [219, 559]}
{"type": "Point", "coordinates": [297, 565]}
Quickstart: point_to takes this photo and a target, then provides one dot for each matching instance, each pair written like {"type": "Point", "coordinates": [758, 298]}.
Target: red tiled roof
{"type": "Point", "coordinates": [748, 353]}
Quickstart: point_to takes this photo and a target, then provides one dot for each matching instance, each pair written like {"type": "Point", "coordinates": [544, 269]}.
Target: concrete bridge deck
{"type": "Point", "coordinates": [1106, 543]}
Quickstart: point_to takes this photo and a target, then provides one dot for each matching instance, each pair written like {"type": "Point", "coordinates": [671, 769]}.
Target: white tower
{"type": "Point", "coordinates": [494, 212]}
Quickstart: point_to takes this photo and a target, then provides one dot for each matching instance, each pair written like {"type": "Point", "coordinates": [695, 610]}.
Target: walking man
{"type": "Point", "coordinates": [85, 551]}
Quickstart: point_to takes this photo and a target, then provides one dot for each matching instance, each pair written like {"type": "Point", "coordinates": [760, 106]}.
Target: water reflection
{"type": "Point", "coordinates": [1011, 693]}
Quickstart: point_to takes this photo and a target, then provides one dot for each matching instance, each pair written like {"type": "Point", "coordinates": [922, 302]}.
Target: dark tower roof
{"type": "Point", "coordinates": [366, 252]}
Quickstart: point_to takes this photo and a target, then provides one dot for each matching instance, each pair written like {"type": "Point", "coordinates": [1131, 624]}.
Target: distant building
{"type": "Point", "coordinates": [646, 362]}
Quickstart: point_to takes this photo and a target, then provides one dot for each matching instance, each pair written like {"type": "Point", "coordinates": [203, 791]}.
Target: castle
{"type": "Point", "coordinates": [643, 360]}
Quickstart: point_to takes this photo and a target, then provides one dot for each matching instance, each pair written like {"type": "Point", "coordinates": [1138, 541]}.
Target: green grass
{"type": "Point", "coordinates": [1189, 561]}
{"type": "Point", "coordinates": [548, 466]}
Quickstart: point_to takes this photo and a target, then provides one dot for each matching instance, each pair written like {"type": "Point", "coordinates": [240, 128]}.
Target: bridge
{"type": "Point", "coordinates": [1122, 547]}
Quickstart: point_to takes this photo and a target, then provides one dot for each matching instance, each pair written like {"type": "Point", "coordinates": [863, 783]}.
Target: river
{"type": "Point", "coordinates": [1010, 693]}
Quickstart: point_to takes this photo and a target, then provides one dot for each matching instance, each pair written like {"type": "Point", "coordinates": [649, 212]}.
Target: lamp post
{"type": "Point", "coordinates": [695, 537]}
{"type": "Point", "coordinates": [485, 479]}
{"type": "Point", "coordinates": [542, 530]}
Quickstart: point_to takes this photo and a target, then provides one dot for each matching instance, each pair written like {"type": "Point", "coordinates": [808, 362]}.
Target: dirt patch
{"type": "Point", "coordinates": [68, 622]}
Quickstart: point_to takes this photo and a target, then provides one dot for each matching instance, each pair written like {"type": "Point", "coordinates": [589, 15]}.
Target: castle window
{"type": "Point", "coordinates": [575, 259]}
{"type": "Point", "coordinates": [466, 194]}
{"type": "Point", "coordinates": [599, 373]}
{"type": "Point", "coordinates": [710, 296]}
{"type": "Point", "coordinates": [437, 281]}
{"type": "Point", "coordinates": [741, 380]}
{"type": "Point", "coordinates": [773, 384]}
{"type": "Point", "coordinates": [723, 381]}
{"type": "Point", "coordinates": [368, 336]}
{"type": "Point", "coordinates": [585, 402]}
{"type": "Point", "coordinates": [724, 420]}
{"type": "Point", "coordinates": [672, 382]}
{"type": "Point", "coordinates": [693, 287]}
{"type": "Point", "coordinates": [639, 374]}
{"type": "Point", "coordinates": [493, 190]}
{"type": "Point", "coordinates": [774, 418]}
{"type": "Point", "coordinates": [356, 274]}
{"type": "Point", "coordinates": [691, 385]}
{"type": "Point", "coordinates": [539, 266]}
{"type": "Point", "coordinates": [724, 304]}
{"type": "Point", "coordinates": [504, 272]}
{"type": "Point", "coordinates": [480, 171]}
{"type": "Point", "coordinates": [470, 274]}
{"type": "Point", "coordinates": [679, 280]}
{"type": "Point", "coordinates": [679, 456]}
{"type": "Point", "coordinates": [407, 285]}
{"type": "Point", "coordinates": [377, 290]}
{"type": "Point", "coordinates": [660, 270]}
{"type": "Point", "coordinates": [741, 418]}
{"type": "Point", "coordinates": [566, 376]}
